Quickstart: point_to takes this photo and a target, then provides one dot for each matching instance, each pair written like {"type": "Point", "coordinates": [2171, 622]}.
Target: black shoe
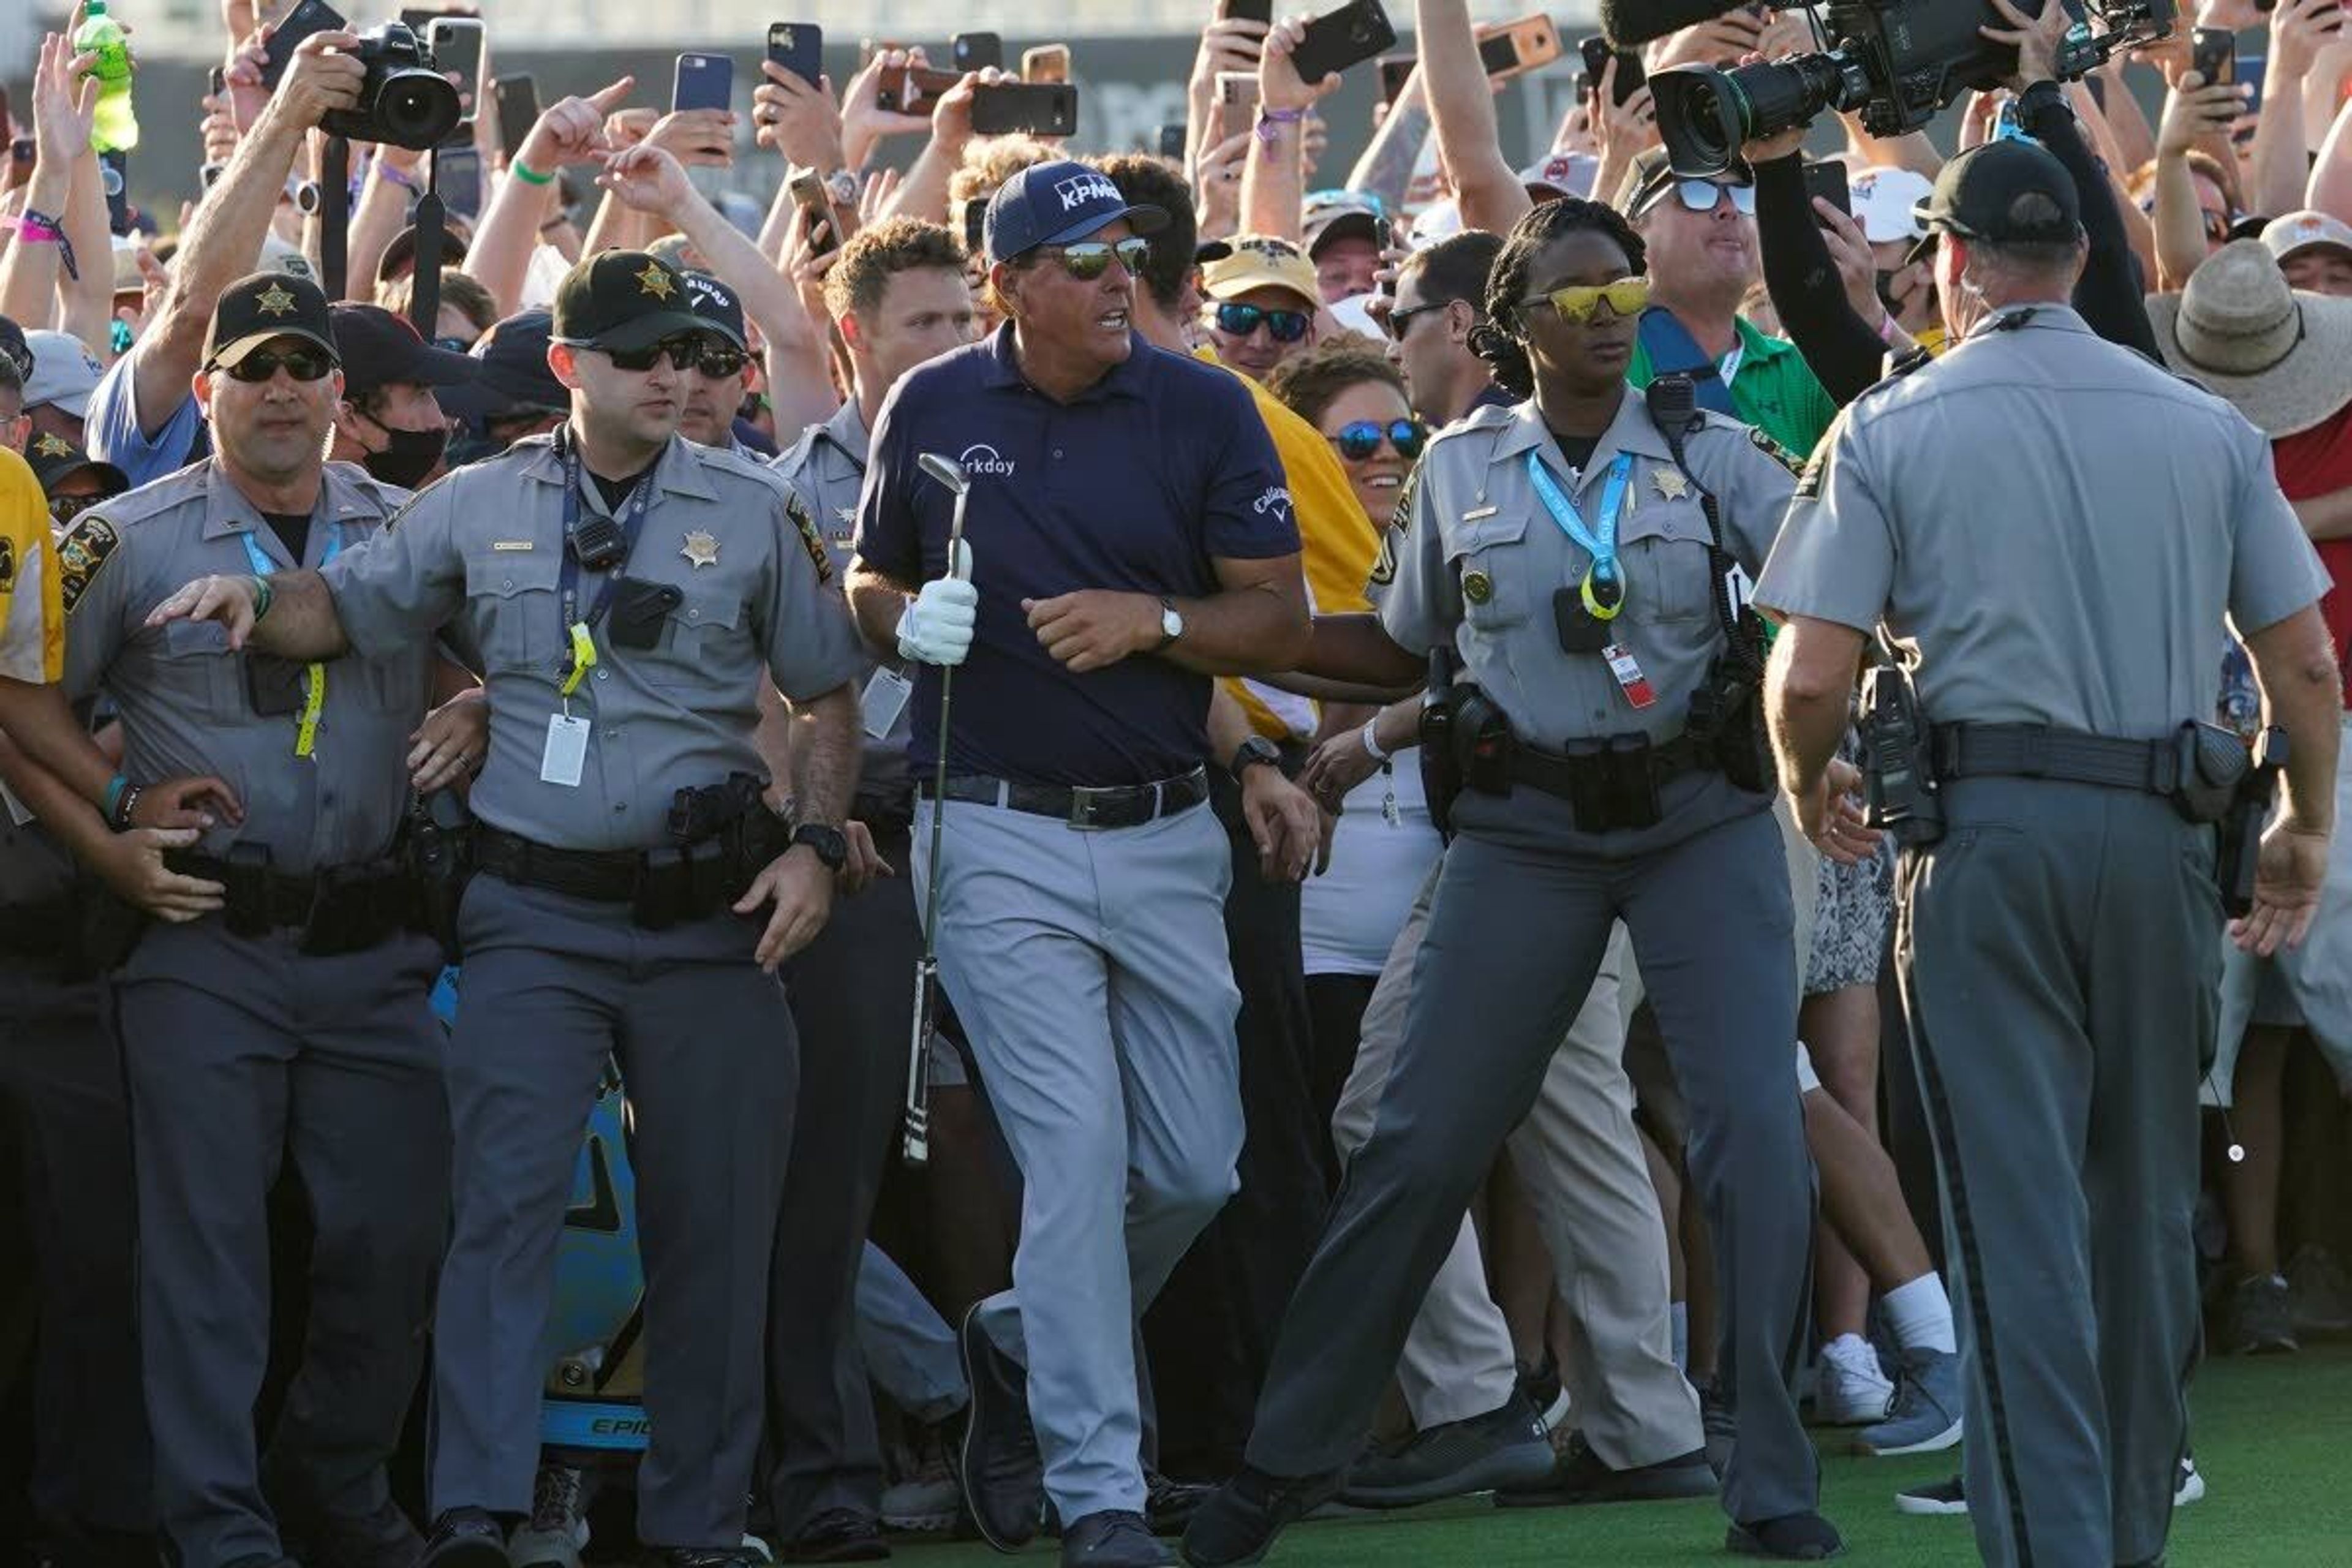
{"type": "Point", "coordinates": [1720, 1427]}
{"type": "Point", "coordinates": [1002, 1477]}
{"type": "Point", "coordinates": [1241, 1519]}
{"type": "Point", "coordinates": [385, 1538]}
{"type": "Point", "coordinates": [1791, 1538]}
{"type": "Point", "coordinates": [1169, 1505]}
{"type": "Point", "coordinates": [1503, 1448]}
{"type": "Point", "coordinates": [837, 1535]}
{"type": "Point", "coordinates": [1112, 1539]}
{"type": "Point", "coordinates": [467, 1538]}
{"type": "Point", "coordinates": [1582, 1477]}
{"type": "Point", "coordinates": [2262, 1316]}
{"type": "Point", "coordinates": [706, 1557]}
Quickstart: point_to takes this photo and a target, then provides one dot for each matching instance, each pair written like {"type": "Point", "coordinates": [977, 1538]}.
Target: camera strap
{"type": "Point", "coordinates": [335, 217]}
{"type": "Point", "coordinates": [580, 657]}
{"type": "Point", "coordinates": [314, 674]}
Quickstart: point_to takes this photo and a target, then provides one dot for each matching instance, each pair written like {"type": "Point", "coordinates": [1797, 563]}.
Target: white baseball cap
{"type": "Point", "coordinates": [2300, 231]}
{"type": "Point", "coordinates": [1885, 202]}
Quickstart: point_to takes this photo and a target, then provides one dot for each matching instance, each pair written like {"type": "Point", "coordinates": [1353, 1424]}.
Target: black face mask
{"type": "Point", "coordinates": [407, 457]}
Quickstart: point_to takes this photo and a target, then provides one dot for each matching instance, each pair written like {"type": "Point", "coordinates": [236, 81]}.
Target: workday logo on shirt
{"type": "Point", "coordinates": [982, 458]}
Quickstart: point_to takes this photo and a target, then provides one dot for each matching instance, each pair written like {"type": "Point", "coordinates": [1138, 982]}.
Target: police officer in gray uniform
{"type": "Point", "coordinates": [1572, 560]}
{"type": "Point", "coordinates": [295, 1025]}
{"type": "Point", "coordinates": [2050, 530]}
{"type": "Point", "coordinates": [625, 593]}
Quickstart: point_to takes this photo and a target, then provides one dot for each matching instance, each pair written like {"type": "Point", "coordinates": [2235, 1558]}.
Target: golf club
{"type": "Point", "coordinates": [950, 473]}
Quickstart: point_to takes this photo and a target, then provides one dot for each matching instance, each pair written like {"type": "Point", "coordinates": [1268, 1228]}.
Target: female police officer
{"type": "Point", "coordinates": [1561, 551]}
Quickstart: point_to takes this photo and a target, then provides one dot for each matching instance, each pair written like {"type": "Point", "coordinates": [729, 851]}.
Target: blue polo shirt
{"type": "Point", "coordinates": [1136, 485]}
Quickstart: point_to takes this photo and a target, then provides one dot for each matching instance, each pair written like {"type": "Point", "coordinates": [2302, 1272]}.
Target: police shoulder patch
{"type": "Point", "coordinates": [81, 551]}
{"type": "Point", "coordinates": [1774, 450]}
{"type": "Point", "coordinates": [809, 537]}
{"type": "Point", "coordinates": [1384, 567]}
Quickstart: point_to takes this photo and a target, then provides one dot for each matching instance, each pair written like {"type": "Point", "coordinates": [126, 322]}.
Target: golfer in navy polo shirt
{"type": "Point", "coordinates": [1128, 537]}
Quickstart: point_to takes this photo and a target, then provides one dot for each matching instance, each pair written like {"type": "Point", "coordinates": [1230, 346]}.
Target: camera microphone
{"type": "Point", "coordinates": [1627, 23]}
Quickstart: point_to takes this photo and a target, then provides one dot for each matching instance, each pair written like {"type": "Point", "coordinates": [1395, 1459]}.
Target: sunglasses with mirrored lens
{"type": "Point", "coordinates": [1089, 259]}
{"type": "Point", "coordinates": [1241, 320]}
{"type": "Point", "coordinates": [682, 353]}
{"type": "Point", "coordinates": [1578, 301]}
{"type": "Point", "coordinates": [64, 508]}
{"type": "Point", "coordinates": [302, 364]}
{"type": "Point", "coordinates": [722, 360]}
{"type": "Point", "coordinates": [1361, 438]}
{"type": "Point", "coordinates": [1701, 197]}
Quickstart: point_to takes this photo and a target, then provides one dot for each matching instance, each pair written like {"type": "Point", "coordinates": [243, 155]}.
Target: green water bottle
{"type": "Point", "coordinates": [117, 129]}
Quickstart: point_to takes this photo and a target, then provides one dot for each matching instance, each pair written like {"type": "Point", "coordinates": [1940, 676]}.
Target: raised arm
{"type": "Point", "coordinates": [1462, 111]}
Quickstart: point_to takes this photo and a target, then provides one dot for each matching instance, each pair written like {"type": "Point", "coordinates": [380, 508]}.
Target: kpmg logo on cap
{"type": "Point", "coordinates": [1079, 190]}
{"type": "Point", "coordinates": [982, 458]}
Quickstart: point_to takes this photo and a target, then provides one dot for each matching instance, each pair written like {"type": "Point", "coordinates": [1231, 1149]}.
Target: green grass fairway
{"type": "Point", "coordinates": [2274, 1439]}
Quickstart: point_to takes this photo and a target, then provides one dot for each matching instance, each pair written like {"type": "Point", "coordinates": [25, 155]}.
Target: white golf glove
{"type": "Point", "coordinates": [938, 625]}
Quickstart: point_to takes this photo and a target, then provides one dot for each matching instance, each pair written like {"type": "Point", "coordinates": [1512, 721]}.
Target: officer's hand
{"type": "Point", "coordinates": [802, 889]}
{"type": "Point", "coordinates": [1096, 628]}
{"type": "Point", "coordinates": [2287, 878]}
{"type": "Point", "coordinates": [185, 804]}
{"type": "Point", "coordinates": [938, 625]}
{"type": "Point", "coordinates": [451, 744]}
{"type": "Point", "coordinates": [864, 862]}
{"type": "Point", "coordinates": [1831, 816]}
{"type": "Point", "coordinates": [228, 600]}
{"type": "Point", "coordinates": [1284, 822]}
{"type": "Point", "coordinates": [132, 865]}
{"type": "Point", "coordinates": [1338, 765]}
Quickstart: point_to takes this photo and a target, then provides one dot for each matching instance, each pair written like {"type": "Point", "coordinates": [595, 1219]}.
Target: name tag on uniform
{"type": "Point", "coordinates": [566, 757]}
{"type": "Point", "coordinates": [1475, 512]}
{"type": "Point", "coordinates": [884, 699]}
{"type": "Point", "coordinates": [1630, 679]}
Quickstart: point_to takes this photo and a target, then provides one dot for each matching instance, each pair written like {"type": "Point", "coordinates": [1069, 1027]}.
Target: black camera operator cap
{"type": "Point", "coordinates": [380, 349]}
{"type": "Point", "coordinates": [515, 379]}
{"type": "Point", "coordinates": [623, 300]}
{"type": "Point", "coordinates": [716, 307]}
{"type": "Point", "coordinates": [2007, 192]}
{"type": "Point", "coordinates": [266, 305]}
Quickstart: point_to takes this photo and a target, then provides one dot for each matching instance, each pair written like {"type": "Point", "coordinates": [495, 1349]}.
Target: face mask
{"type": "Point", "coordinates": [407, 458]}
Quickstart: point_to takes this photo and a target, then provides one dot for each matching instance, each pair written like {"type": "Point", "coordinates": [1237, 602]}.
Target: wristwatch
{"type": "Point", "coordinates": [1257, 748]}
{"type": "Point", "coordinates": [2039, 99]}
{"type": "Point", "coordinates": [832, 846]}
{"type": "Point", "coordinates": [842, 186]}
{"type": "Point", "coordinates": [1172, 625]}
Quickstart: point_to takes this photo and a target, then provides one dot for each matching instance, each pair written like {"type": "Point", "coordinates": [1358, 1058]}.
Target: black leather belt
{"type": "Point", "coordinates": [1087, 810]}
{"type": "Point", "coordinates": [289, 901]}
{"type": "Point", "coordinates": [602, 876]}
{"type": "Point", "coordinates": [2068, 756]}
{"type": "Point", "coordinates": [1565, 773]}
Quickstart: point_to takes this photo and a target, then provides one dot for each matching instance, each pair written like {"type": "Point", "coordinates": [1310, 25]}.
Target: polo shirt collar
{"type": "Point", "coordinates": [1756, 344]}
{"type": "Point", "coordinates": [1128, 378]}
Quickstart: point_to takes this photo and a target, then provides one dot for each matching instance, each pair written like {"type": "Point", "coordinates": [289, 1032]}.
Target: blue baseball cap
{"type": "Point", "coordinates": [1059, 203]}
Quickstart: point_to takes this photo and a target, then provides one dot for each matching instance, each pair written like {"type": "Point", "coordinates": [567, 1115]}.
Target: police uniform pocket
{"type": "Point", "coordinates": [196, 667]}
{"type": "Point", "coordinates": [1668, 576]}
{"type": "Point", "coordinates": [694, 646]}
{"type": "Point", "coordinates": [1491, 570]}
{"type": "Point", "coordinates": [513, 600]}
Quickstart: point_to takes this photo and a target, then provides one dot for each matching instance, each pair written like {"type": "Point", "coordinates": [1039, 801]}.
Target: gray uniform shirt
{"type": "Point", "coordinates": [824, 470]}
{"type": "Point", "coordinates": [1473, 558]}
{"type": "Point", "coordinates": [2050, 528]}
{"type": "Point", "coordinates": [186, 702]}
{"type": "Point", "coordinates": [481, 554]}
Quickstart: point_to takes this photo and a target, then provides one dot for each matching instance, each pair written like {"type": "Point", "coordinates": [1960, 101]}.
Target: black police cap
{"type": "Point", "coordinates": [623, 300]}
{"type": "Point", "coordinates": [266, 305]}
{"type": "Point", "coordinates": [1990, 192]}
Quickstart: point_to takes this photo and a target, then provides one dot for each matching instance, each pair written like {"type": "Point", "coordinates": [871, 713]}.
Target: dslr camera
{"type": "Point", "coordinates": [402, 99]}
{"type": "Point", "coordinates": [1897, 62]}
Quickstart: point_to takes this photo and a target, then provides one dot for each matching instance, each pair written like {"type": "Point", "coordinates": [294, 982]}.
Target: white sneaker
{"type": "Point", "coordinates": [1848, 1395]}
{"type": "Point", "coordinates": [2191, 1487]}
{"type": "Point", "coordinates": [556, 1530]}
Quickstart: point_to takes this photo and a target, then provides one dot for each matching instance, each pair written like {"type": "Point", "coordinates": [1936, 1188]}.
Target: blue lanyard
{"type": "Point", "coordinates": [631, 523]}
{"type": "Point", "coordinates": [264, 566]}
{"type": "Point", "coordinates": [1600, 544]}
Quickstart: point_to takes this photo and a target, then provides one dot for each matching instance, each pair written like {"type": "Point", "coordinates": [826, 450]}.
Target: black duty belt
{"type": "Point", "coordinates": [1087, 810]}
{"type": "Point", "coordinates": [602, 876]}
{"type": "Point", "coordinates": [339, 908]}
{"type": "Point", "coordinates": [687, 879]}
{"type": "Point", "coordinates": [1610, 784]}
{"type": "Point", "coordinates": [2067, 756]}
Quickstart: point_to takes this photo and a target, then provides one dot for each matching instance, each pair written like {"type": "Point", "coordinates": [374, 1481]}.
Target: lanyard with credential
{"type": "Point", "coordinates": [582, 656]}
{"type": "Point", "coordinates": [1604, 589]}
{"type": "Point", "coordinates": [314, 675]}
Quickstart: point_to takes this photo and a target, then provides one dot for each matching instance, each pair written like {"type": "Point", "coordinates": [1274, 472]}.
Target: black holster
{"type": "Point", "coordinates": [2240, 847]}
{"type": "Point", "coordinates": [245, 899]}
{"type": "Point", "coordinates": [1726, 724]}
{"type": "Point", "coordinates": [1898, 761]}
{"type": "Point", "coordinates": [722, 837]}
{"type": "Point", "coordinates": [439, 853]}
{"type": "Point", "coordinates": [2210, 768]}
{"type": "Point", "coordinates": [1441, 780]}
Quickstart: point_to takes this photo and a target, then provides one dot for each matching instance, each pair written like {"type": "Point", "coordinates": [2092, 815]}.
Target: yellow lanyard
{"type": "Point", "coordinates": [314, 675]}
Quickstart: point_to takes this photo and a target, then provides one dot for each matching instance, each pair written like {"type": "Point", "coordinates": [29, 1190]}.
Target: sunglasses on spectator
{"type": "Point", "coordinates": [302, 364]}
{"type": "Point", "coordinates": [1240, 320]}
{"type": "Point", "coordinates": [1090, 258]}
{"type": "Point", "coordinates": [719, 361]}
{"type": "Point", "coordinates": [1400, 321]}
{"type": "Point", "coordinates": [684, 352]}
{"type": "Point", "coordinates": [1702, 197]}
{"type": "Point", "coordinates": [1578, 301]}
{"type": "Point", "coordinates": [1361, 438]}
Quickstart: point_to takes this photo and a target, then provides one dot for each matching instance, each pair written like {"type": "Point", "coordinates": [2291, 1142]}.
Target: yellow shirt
{"type": "Point", "coordinates": [32, 617]}
{"type": "Point", "coordinates": [1338, 542]}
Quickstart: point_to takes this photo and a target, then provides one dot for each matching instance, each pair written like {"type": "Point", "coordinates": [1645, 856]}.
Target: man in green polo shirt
{"type": "Point", "coordinates": [1704, 257]}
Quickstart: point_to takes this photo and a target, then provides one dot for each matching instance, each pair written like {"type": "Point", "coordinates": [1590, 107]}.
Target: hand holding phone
{"type": "Point", "coordinates": [702, 82]}
{"type": "Point", "coordinates": [798, 48]}
{"type": "Point", "coordinates": [1355, 32]}
{"type": "Point", "coordinates": [1827, 180]}
{"type": "Point", "coordinates": [1030, 107]}
{"type": "Point", "coordinates": [2213, 55]}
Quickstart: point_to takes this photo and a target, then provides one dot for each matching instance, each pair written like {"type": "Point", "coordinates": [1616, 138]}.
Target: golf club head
{"type": "Point", "coordinates": [946, 470]}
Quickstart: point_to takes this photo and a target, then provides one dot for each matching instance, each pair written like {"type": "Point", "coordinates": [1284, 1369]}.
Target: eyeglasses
{"type": "Point", "coordinates": [64, 508]}
{"type": "Point", "coordinates": [1705, 196]}
{"type": "Point", "coordinates": [1400, 321]}
{"type": "Point", "coordinates": [683, 352]}
{"type": "Point", "coordinates": [1240, 320]}
{"type": "Point", "coordinates": [1089, 259]}
{"type": "Point", "coordinates": [1578, 301]}
{"type": "Point", "coordinates": [261, 364]}
{"type": "Point", "coordinates": [722, 360]}
{"type": "Point", "coordinates": [1361, 438]}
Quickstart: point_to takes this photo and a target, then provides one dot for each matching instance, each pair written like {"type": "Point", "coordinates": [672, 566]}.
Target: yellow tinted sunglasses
{"type": "Point", "coordinates": [1626, 297]}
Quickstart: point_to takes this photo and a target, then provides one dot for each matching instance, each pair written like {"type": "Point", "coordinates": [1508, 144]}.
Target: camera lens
{"type": "Point", "coordinates": [416, 109]}
{"type": "Point", "coordinates": [1705, 114]}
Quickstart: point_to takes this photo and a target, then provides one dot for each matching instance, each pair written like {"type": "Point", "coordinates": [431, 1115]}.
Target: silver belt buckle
{"type": "Point", "coordinates": [1082, 809]}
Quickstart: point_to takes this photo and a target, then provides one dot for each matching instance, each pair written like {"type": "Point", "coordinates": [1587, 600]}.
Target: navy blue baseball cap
{"type": "Point", "coordinates": [1059, 203]}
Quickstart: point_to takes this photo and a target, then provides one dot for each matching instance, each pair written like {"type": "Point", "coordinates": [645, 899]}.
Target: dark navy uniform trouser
{"type": "Point", "coordinates": [241, 1054]}
{"type": "Point", "coordinates": [2060, 953]}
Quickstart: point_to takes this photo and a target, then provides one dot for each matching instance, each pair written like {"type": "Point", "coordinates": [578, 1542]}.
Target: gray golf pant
{"type": "Point", "coordinates": [1582, 1163]}
{"type": "Point", "coordinates": [552, 984]}
{"type": "Point", "coordinates": [241, 1054]}
{"type": "Point", "coordinates": [1090, 972]}
{"type": "Point", "coordinates": [2060, 959]}
{"type": "Point", "coordinates": [1517, 933]}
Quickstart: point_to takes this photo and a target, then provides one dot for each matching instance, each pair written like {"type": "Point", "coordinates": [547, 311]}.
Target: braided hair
{"type": "Point", "coordinates": [1497, 339]}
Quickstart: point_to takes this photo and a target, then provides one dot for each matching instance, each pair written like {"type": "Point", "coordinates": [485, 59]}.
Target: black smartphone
{"type": "Point", "coordinates": [517, 99]}
{"type": "Point", "coordinates": [458, 177]}
{"type": "Point", "coordinates": [1171, 141]}
{"type": "Point", "coordinates": [1827, 179]}
{"type": "Point", "coordinates": [1395, 71]}
{"type": "Point", "coordinates": [798, 48]}
{"type": "Point", "coordinates": [908, 89]}
{"type": "Point", "coordinates": [1597, 53]}
{"type": "Point", "coordinates": [310, 16]}
{"type": "Point", "coordinates": [1355, 32]}
{"type": "Point", "coordinates": [2213, 55]}
{"type": "Point", "coordinates": [114, 174]}
{"type": "Point", "coordinates": [216, 84]}
{"type": "Point", "coordinates": [416, 18]}
{"type": "Point", "coordinates": [209, 175]}
{"type": "Point", "coordinates": [976, 52]}
{"type": "Point", "coordinates": [975, 228]}
{"type": "Point", "coordinates": [702, 82]}
{"type": "Point", "coordinates": [1031, 107]}
{"type": "Point", "coordinates": [1247, 11]}
{"type": "Point", "coordinates": [456, 46]}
